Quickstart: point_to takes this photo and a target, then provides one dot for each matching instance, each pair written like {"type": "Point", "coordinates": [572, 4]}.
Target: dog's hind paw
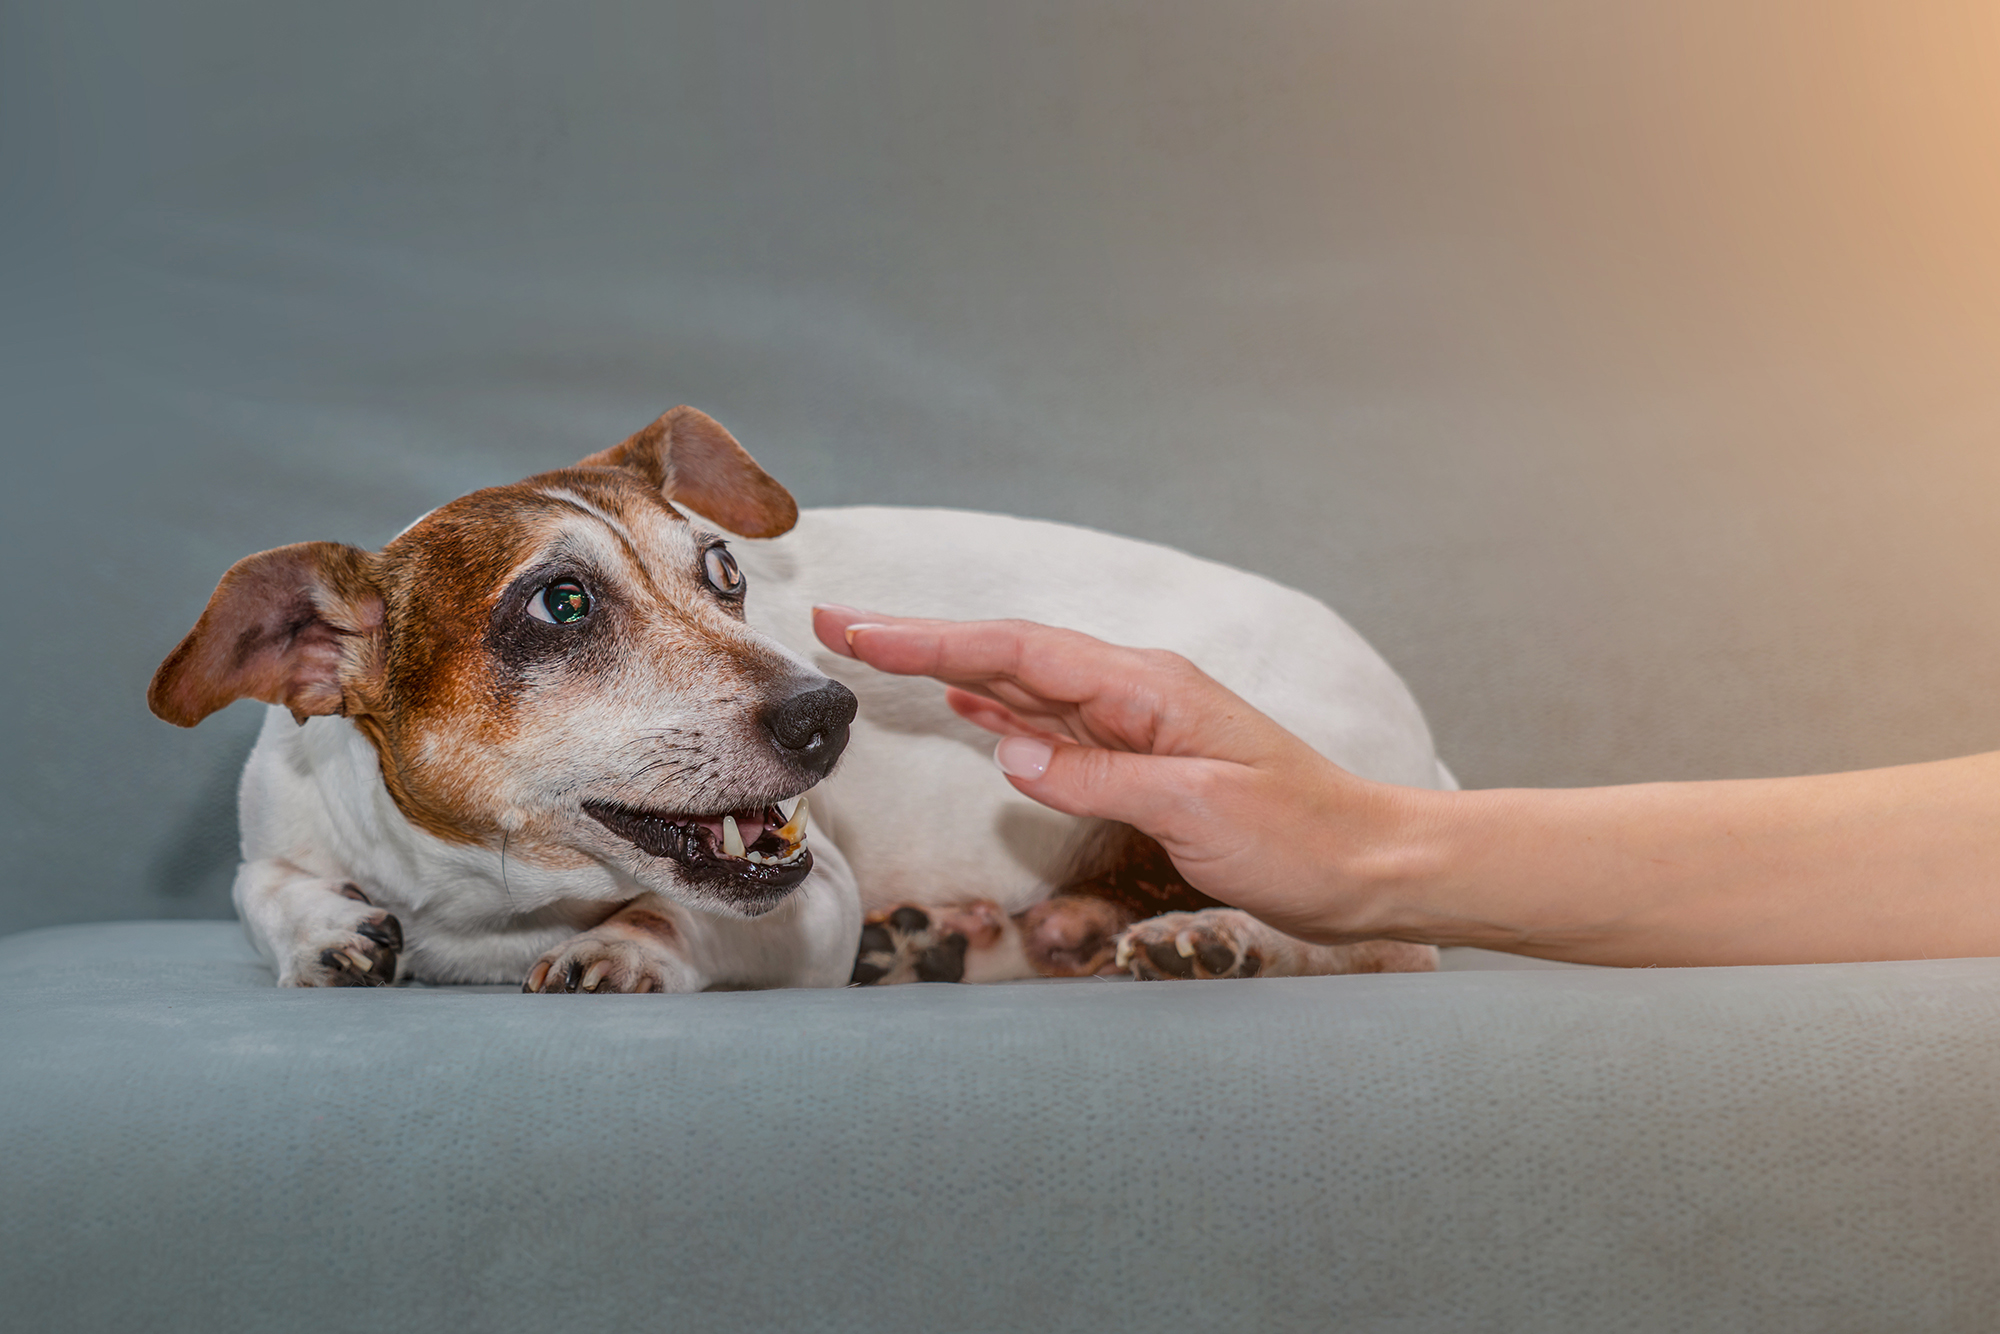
{"type": "Point", "coordinates": [915, 944]}
{"type": "Point", "coordinates": [1073, 935]}
{"type": "Point", "coordinates": [1217, 942]}
{"type": "Point", "coordinates": [1223, 942]}
{"type": "Point", "coordinates": [361, 953]}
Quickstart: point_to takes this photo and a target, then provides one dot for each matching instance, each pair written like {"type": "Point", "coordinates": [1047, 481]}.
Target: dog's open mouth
{"type": "Point", "coordinates": [758, 849]}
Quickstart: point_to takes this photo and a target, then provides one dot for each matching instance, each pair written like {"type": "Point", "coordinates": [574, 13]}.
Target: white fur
{"type": "Point", "coordinates": [916, 812]}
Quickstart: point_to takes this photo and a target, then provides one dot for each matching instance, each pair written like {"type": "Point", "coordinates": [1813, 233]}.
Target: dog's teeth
{"type": "Point", "coordinates": [732, 837]}
{"type": "Point", "coordinates": [795, 828]}
{"type": "Point", "coordinates": [757, 857]}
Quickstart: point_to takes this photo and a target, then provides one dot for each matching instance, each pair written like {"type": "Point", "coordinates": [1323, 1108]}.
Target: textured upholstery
{"type": "Point", "coordinates": [189, 1149]}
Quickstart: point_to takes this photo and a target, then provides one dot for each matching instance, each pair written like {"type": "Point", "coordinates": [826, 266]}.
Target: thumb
{"type": "Point", "coordinates": [1153, 793]}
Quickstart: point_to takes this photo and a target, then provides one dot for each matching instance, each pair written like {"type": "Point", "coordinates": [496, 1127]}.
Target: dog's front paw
{"type": "Point", "coordinates": [357, 948]}
{"type": "Point", "coordinates": [913, 944]}
{"type": "Point", "coordinates": [610, 960]}
{"type": "Point", "coordinates": [1217, 942]}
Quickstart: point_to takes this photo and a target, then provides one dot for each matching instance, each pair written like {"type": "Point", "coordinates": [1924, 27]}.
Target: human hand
{"type": "Point", "coordinates": [1250, 814]}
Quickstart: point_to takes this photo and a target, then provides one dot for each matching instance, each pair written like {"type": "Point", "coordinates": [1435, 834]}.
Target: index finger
{"type": "Point", "coordinates": [1063, 666]}
{"type": "Point", "coordinates": [1140, 699]}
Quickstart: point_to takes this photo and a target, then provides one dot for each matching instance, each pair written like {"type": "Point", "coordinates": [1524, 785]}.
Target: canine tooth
{"type": "Point", "coordinates": [795, 828]}
{"type": "Point", "coordinates": [732, 837]}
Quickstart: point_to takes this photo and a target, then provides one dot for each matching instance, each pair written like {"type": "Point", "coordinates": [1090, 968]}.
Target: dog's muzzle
{"type": "Point", "coordinates": [810, 729]}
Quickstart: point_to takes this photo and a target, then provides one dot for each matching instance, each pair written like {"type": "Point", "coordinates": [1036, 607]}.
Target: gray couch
{"type": "Point", "coordinates": [1624, 373]}
{"type": "Point", "coordinates": [1804, 1148]}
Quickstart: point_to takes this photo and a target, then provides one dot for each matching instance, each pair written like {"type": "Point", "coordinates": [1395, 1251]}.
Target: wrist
{"type": "Point", "coordinates": [1387, 854]}
{"type": "Point", "coordinates": [1416, 865]}
{"type": "Point", "coordinates": [1476, 868]}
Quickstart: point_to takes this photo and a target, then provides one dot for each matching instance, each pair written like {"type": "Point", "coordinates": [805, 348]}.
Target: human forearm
{"type": "Point", "coordinates": [1886, 863]}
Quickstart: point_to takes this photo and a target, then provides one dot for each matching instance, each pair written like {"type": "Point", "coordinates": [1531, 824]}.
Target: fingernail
{"type": "Point", "coordinates": [838, 609]}
{"type": "Point", "coordinates": [1023, 756]}
{"type": "Point", "coordinates": [860, 625]}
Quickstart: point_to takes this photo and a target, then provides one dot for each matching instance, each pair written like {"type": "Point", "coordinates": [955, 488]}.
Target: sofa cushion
{"type": "Point", "coordinates": [189, 1148]}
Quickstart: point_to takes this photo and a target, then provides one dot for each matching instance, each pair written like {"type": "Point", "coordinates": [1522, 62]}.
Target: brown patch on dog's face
{"type": "Point", "coordinates": [572, 639]}
{"type": "Point", "coordinates": [562, 667]}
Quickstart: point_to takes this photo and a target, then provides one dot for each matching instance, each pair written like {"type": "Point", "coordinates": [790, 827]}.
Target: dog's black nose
{"type": "Point", "coordinates": [811, 728]}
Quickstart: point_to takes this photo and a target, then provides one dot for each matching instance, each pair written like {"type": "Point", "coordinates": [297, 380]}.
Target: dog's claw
{"type": "Point", "coordinates": [361, 955]}
{"type": "Point", "coordinates": [614, 958]}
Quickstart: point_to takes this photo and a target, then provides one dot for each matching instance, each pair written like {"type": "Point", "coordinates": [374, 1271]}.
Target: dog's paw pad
{"type": "Point", "coordinates": [363, 957]}
{"type": "Point", "coordinates": [913, 944]}
{"type": "Point", "coordinates": [1187, 946]}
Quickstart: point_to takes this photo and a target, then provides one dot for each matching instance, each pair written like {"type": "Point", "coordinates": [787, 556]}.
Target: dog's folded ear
{"type": "Point", "coordinates": [279, 628]}
{"type": "Point", "coordinates": [695, 462]}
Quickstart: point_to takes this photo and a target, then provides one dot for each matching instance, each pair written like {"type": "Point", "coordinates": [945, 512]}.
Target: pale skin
{"type": "Point", "coordinates": [1898, 863]}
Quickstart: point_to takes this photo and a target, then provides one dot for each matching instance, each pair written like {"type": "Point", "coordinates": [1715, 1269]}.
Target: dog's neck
{"type": "Point", "coordinates": [508, 881]}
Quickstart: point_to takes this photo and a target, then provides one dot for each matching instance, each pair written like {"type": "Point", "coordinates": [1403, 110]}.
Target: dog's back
{"type": "Point", "coordinates": [916, 804]}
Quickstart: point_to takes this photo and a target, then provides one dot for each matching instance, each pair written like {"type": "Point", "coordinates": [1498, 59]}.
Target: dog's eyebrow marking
{"type": "Point", "coordinates": [564, 496]}
{"type": "Point", "coordinates": [569, 497]}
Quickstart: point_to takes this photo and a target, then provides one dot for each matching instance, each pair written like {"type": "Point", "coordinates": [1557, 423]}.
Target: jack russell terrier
{"type": "Point", "coordinates": [560, 731]}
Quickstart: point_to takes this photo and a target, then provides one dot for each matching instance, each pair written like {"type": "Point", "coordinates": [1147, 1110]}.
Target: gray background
{"type": "Point", "coordinates": [1626, 372]}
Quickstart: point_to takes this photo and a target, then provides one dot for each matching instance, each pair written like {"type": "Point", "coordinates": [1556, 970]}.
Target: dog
{"type": "Point", "coordinates": [568, 734]}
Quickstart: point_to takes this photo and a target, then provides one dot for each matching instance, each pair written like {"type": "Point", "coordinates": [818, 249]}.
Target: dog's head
{"type": "Point", "coordinates": [561, 665]}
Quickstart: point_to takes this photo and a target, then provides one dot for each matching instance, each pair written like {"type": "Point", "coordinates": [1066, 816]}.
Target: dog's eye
{"type": "Point", "coordinates": [723, 575]}
{"type": "Point", "coordinates": [562, 603]}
